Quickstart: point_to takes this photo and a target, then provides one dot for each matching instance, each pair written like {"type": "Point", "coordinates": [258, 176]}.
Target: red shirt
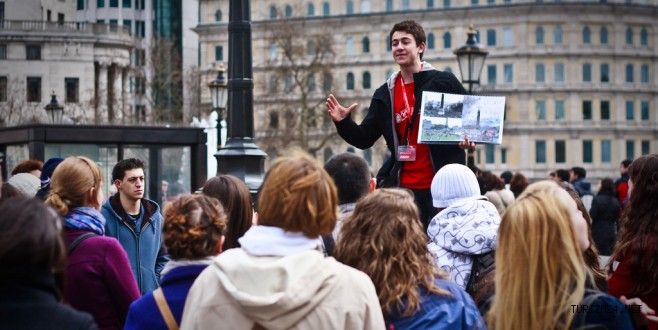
{"type": "Point", "coordinates": [417, 174]}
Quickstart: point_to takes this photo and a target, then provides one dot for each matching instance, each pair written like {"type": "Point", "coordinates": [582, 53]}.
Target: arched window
{"type": "Point", "coordinates": [273, 51]}
{"type": "Point", "coordinates": [349, 7]}
{"type": "Point", "coordinates": [430, 41]}
{"type": "Point", "coordinates": [310, 83]}
{"type": "Point", "coordinates": [326, 8]}
{"type": "Point", "coordinates": [365, 44]}
{"type": "Point", "coordinates": [586, 35]}
{"type": "Point", "coordinates": [388, 43]}
{"type": "Point", "coordinates": [288, 84]}
{"type": "Point", "coordinates": [274, 120]}
{"type": "Point", "coordinates": [446, 3]}
{"type": "Point", "coordinates": [644, 74]}
{"type": "Point", "coordinates": [349, 46]}
{"type": "Point", "coordinates": [605, 72]}
{"type": "Point", "coordinates": [447, 40]}
{"type": "Point", "coordinates": [366, 80]}
{"type": "Point", "coordinates": [274, 83]}
{"type": "Point", "coordinates": [218, 15]}
{"type": "Point", "coordinates": [604, 35]}
{"type": "Point", "coordinates": [288, 11]}
{"type": "Point", "coordinates": [405, 4]}
{"type": "Point", "coordinates": [644, 37]}
{"type": "Point", "coordinates": [310, 9]}
{"type": "Point", "coordinates": [539, 35]}
{"type": "Point", "coordinates": [365, 6]}
{"type": "Point", "coordinates": [389, 5]}
{"type": "Point", "coordinates": [327, 82]}
{"type": "Point", "coordinates": [272, 12]}
{"type": "Point", "coordinates": [557, 35]}
{"type": "Point", "coordinates": [629, 73]}
{"type": "Point", "coordinates": [430, 3]}
{"type": "Point", "coordinates": [629, 36]}
{"type": "Point", "coordinates": [349, 81]}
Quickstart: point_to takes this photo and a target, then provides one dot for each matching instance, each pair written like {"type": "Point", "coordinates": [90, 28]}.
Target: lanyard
{"type": "Point", "coordinates": [405, 141]}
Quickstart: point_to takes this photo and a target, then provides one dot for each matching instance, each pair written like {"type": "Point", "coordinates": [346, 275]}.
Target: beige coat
{"type": "Point", "coordinates": [501, 199]}
{"type": "Point", "coordinates": [302, 291]}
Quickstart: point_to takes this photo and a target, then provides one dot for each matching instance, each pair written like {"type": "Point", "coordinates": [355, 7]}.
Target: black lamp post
{"type": "Point", "coordinates": [240, 156]}
{"type": "Point", "coordinates": [470, 57]}
{"type": "Point", "coordinates": [54, 109]}
{"type": "Point", "coordinates": [218, 93]}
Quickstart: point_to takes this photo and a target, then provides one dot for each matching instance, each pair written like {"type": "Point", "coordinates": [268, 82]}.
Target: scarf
{"type": "Point", "coordinates": [274, 241]}
{"type": "Point", "coordinates": [85, 218]}
{"type": "Point", "coordinates": [466, 228]}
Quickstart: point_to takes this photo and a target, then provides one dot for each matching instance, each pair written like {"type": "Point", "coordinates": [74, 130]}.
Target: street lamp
{"type": "Point", "coordinates": [470, 57]}
{"type": "Point", "coordinates": [54, 109]}
{"type": "Point", "coordinates": [218, 93]}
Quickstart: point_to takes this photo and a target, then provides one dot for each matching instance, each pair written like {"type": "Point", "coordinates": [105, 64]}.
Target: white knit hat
{"type": "Point", "coordinates": [453, 183]}
{"type": "Point", "coordinates": [26, 183]}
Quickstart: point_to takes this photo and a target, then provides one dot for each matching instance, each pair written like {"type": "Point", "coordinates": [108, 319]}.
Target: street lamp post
{"type": "Point", "coordinates": [218, 92]}
{"type": "Point", "coordinates": [470, 57]}
{"type": "Point", "coordinates": [54, 109]}
{"type": "Point", "coordinates": [240, 156]}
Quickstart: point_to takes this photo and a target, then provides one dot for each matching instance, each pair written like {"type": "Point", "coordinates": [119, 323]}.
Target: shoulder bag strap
{"type": "Point", "coordinates": [79, 240]}
{"type": "Point", "coordinates": [163, 306]}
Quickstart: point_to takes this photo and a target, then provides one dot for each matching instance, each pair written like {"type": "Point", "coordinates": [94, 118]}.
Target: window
{"type": "Point", "coordinates": [140, 25]}
{"type": "Point", "coordinates": [503, 156]}
{"type": "Point", "coordinates": [558, 72]}
{"type": "Point", "coordinates": [349, 81]}
{"type": "Point", "coordinates": [310, 9]}
{"type": "Point", "coordinates": [508, 73]}
{"type": "Point", "coordinates": [603, 35]}
{"type": "Point", "coordinates": [274, 120]}
{"type": "Point", "coordinates": [365, 44]}
{"type": "Point", "coordinates": [311, 48]}
{"type": "Point", "coordinates": [72, 86]}
{"type": "Point", "coordinates": [288, 11]}
{"type": "Point", "coordinates": [128, 24]}
{"type": "Point", "coordinates": [587, 72]}
{"type": "Point", "coordinates": [587, 38]}
{"type": "Point", "coordinates": [60, 18]}
{"type": "Point", "coordinates": [559, 109]}
{"type": "Point", "coordinates": [100, 3]}
{"type": "Point", "coordinates": [274, 84]}
{"type": "Point", "coordinates": [81, 4]}
{"type": "Point", "coordinates": [540, 109]}
{"type": "Point", "coordinates": [365, 6]}
{"type": "Point", "coordinates": [587, 151]}
{"type": "Point", "coordinates": [33, 52]}
{"type": "Point", "coordinates": [113, 25]}
{"type": "Point", "coordinates": [389, 5]}
{"type": "Point", "coordinates": [287, 87]}
{"type": "Point", "coordinates": [630, 149]}
{"type": "Point", "coordinates": [489, 153]}
{"type": "Point", "coordinates": [219, 53]}
{"type": "Point", "coordinates": [327, 82]}
{"type": "Point", "coordinates": [447, 40]}
{"type": "Point", "coordinates": [644, 37]}
{"type": "Point", "coordinates": [114, 3]}
{"type": "Point", "coordinates": [587, 110]}
{"type": "Point", "coordinates": [560, 151]}
{"type": "Point", "coordinates": [540, 152]}
{"type": "Point", "coordinates": [3, 89]}
{"type": "Point", "coordinates": [430, 3]}
{"type": "Point", "coordinates": [430, 41]}
{"type": "Point", "coordinates": [491, 37]}
{"type": "Point", "coordinates": [405, 4]}
{"type": "Point", "coordinates": [629, 73]}
{"type": "Point", "coordinates": [606, 151]}
{"type": "Point", "coordinates": [273, 51]}
{"type": "Point", "coordinates": [557, 35]}
{"type": "Point", "coordinates": [310, 83]}
{"type": "Point", "coordinates": [126, 3]}
{"type": "Point", "coordinates": [349, 7]}
{"type": "Point", "coordinates": [644, 73]}
{"type": "Point", "coordinates": [366, 80]}
{"type": "Point", "coordinates": [474, 2]}
{"type": "Point", "coordinates": [388, 44]}
{"type": "Point", "coordinates": [326, 9]}
{"type": "Point", "coordinates": [605, 72]}
{"type": "Point", "coordinates": [646, 147]}
{"type": "Point", "coordinates": [605, 110]}
{"type": "Point", "coordinates": [630, 110]}
{"type": "Point", "coordinates": [629, 36]}
{"type": "Point", "coordinates": [34, 89]}
{"type": "Point", "coordinates": [3, 52]}
{"type": "Point", "coordinates": [218, 15]}
{"type": "Point", "coordinates": [644, 110]}
{"type": "Point", "coordinates": [446, 3]}
{"type": "Point", "coordinates": [539, 35]}
{"type": "Point", "coordinates": [491, 74]}
{"type": "Point", "coordinates": [539, 73]}
{"type": "Point", "coordinates": [272, 12]}
{"type": "Point", "coordinates": [349, 46]}
{"type": "Point", "coordinates": [508, 37]}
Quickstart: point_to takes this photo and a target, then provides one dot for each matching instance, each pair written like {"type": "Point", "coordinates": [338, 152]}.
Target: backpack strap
{"type": "Point", "coordinates": [163, 306]}
{"type": "Point", "coordinates": [79, 240]}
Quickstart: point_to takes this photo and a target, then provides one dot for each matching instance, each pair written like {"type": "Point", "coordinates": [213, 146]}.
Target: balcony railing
{"type": "Point", "coordinates": [68, 27]}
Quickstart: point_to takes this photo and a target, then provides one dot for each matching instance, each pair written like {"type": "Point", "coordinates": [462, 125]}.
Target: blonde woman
{"type": "Point", "coordinates": [541, 276]}
{"type": "Point", "coordinates": [413, 292]}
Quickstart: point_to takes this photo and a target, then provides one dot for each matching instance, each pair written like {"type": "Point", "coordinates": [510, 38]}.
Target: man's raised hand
{"type": "Point", "coordinates": [336, 111]}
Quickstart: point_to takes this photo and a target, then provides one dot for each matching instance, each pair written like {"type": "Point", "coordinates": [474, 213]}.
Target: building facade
{"type": "Point", "coordinates": [580, 78]}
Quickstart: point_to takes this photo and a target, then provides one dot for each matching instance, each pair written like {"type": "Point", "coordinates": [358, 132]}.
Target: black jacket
{"type": "Point", "coordinates": [379, 120]}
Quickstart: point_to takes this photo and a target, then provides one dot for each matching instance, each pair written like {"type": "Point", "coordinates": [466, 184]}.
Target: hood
{"type": "Point", "coordinates": [391, 80]}
{"type": "Point", "coordinates": [276, 292]}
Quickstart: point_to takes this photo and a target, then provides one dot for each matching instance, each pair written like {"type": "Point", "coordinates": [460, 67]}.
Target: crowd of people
{"type": "Point", "coordinates": [427, 243]}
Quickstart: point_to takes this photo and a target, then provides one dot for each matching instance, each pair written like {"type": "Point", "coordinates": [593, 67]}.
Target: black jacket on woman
{"type": "Point", "coordinates": [605, 214]}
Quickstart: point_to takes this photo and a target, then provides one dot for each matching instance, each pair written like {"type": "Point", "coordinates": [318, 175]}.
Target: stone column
{"type": "Point", "coordinates": [102, 93]}
{"type": "Point", "coordinates": [117, 88]}
{"type": "Point", "coordinates": [126, 101]}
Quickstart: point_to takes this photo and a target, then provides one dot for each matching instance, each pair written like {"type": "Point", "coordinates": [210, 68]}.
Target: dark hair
{"type": "Point", "coordinates": [412, 28]}
{"type": "Point", "coordinates": [8, 191]}
{"type": "Point", "coordinates": [27, 166]}
{"type": "Point", "coordinates": [579, 171]}
{"type": "Point", "coordinates": [491, 181]}
{"type": "Point", "coordinates": [518, 183]}
{"type": "Point", "coordinates": [638, 232]}
{"type": "Point", "coordinates": [351, 176]}
{"type": "Point", "coordinates": [626, 162]}
{"type": "Point", "coordinates": [31, 239]}
{"type": "Point", "coordinates": [506, 176]}
{"type": "Point", "coordinates": [607, 188]}
{"type": "Point", "coordinates": [562, 174]}
{"type": "Point", "coordinates": [236, 200]}
{"type": "Point", "coordinates": [119, 170]}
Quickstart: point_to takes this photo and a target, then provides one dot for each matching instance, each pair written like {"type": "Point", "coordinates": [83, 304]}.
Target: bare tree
{"type": "Point", "coordinates": [17, 110]}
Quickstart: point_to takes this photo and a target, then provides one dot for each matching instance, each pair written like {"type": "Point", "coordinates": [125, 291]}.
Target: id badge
{"type": "Point", "coordinates": [406, 153]}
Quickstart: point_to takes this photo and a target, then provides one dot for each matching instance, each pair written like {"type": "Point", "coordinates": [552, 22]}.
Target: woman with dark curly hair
{"type": "Point", "coordinates": [413, 292]}
{"type": "Point", "coordinates": [193, 233]}
{"type": "Point", "coordinates": [637, 246]}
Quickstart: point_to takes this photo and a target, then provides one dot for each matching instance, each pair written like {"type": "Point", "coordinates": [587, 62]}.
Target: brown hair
{"type": "Point", "coordinates": [411, 27]}
{"type": "Point", "coordinates": [397, 269]}
{"type": "Point", "coordinates": [193, 225]}
{"type": "Point", "coordinates": [27, 166]}
{"type": "Point", "coordinates": [236, 200]}
{"type": "Point", "coordinates": [517, 184]}
{"type": "Point", "coordinates": [492, 181]}
{"type": "Point", "coordinates": [70, 183]}
{"type": "Point", "coordinates": [297, 195]}
{"type": "Point", "coordinates": [8, 191]}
